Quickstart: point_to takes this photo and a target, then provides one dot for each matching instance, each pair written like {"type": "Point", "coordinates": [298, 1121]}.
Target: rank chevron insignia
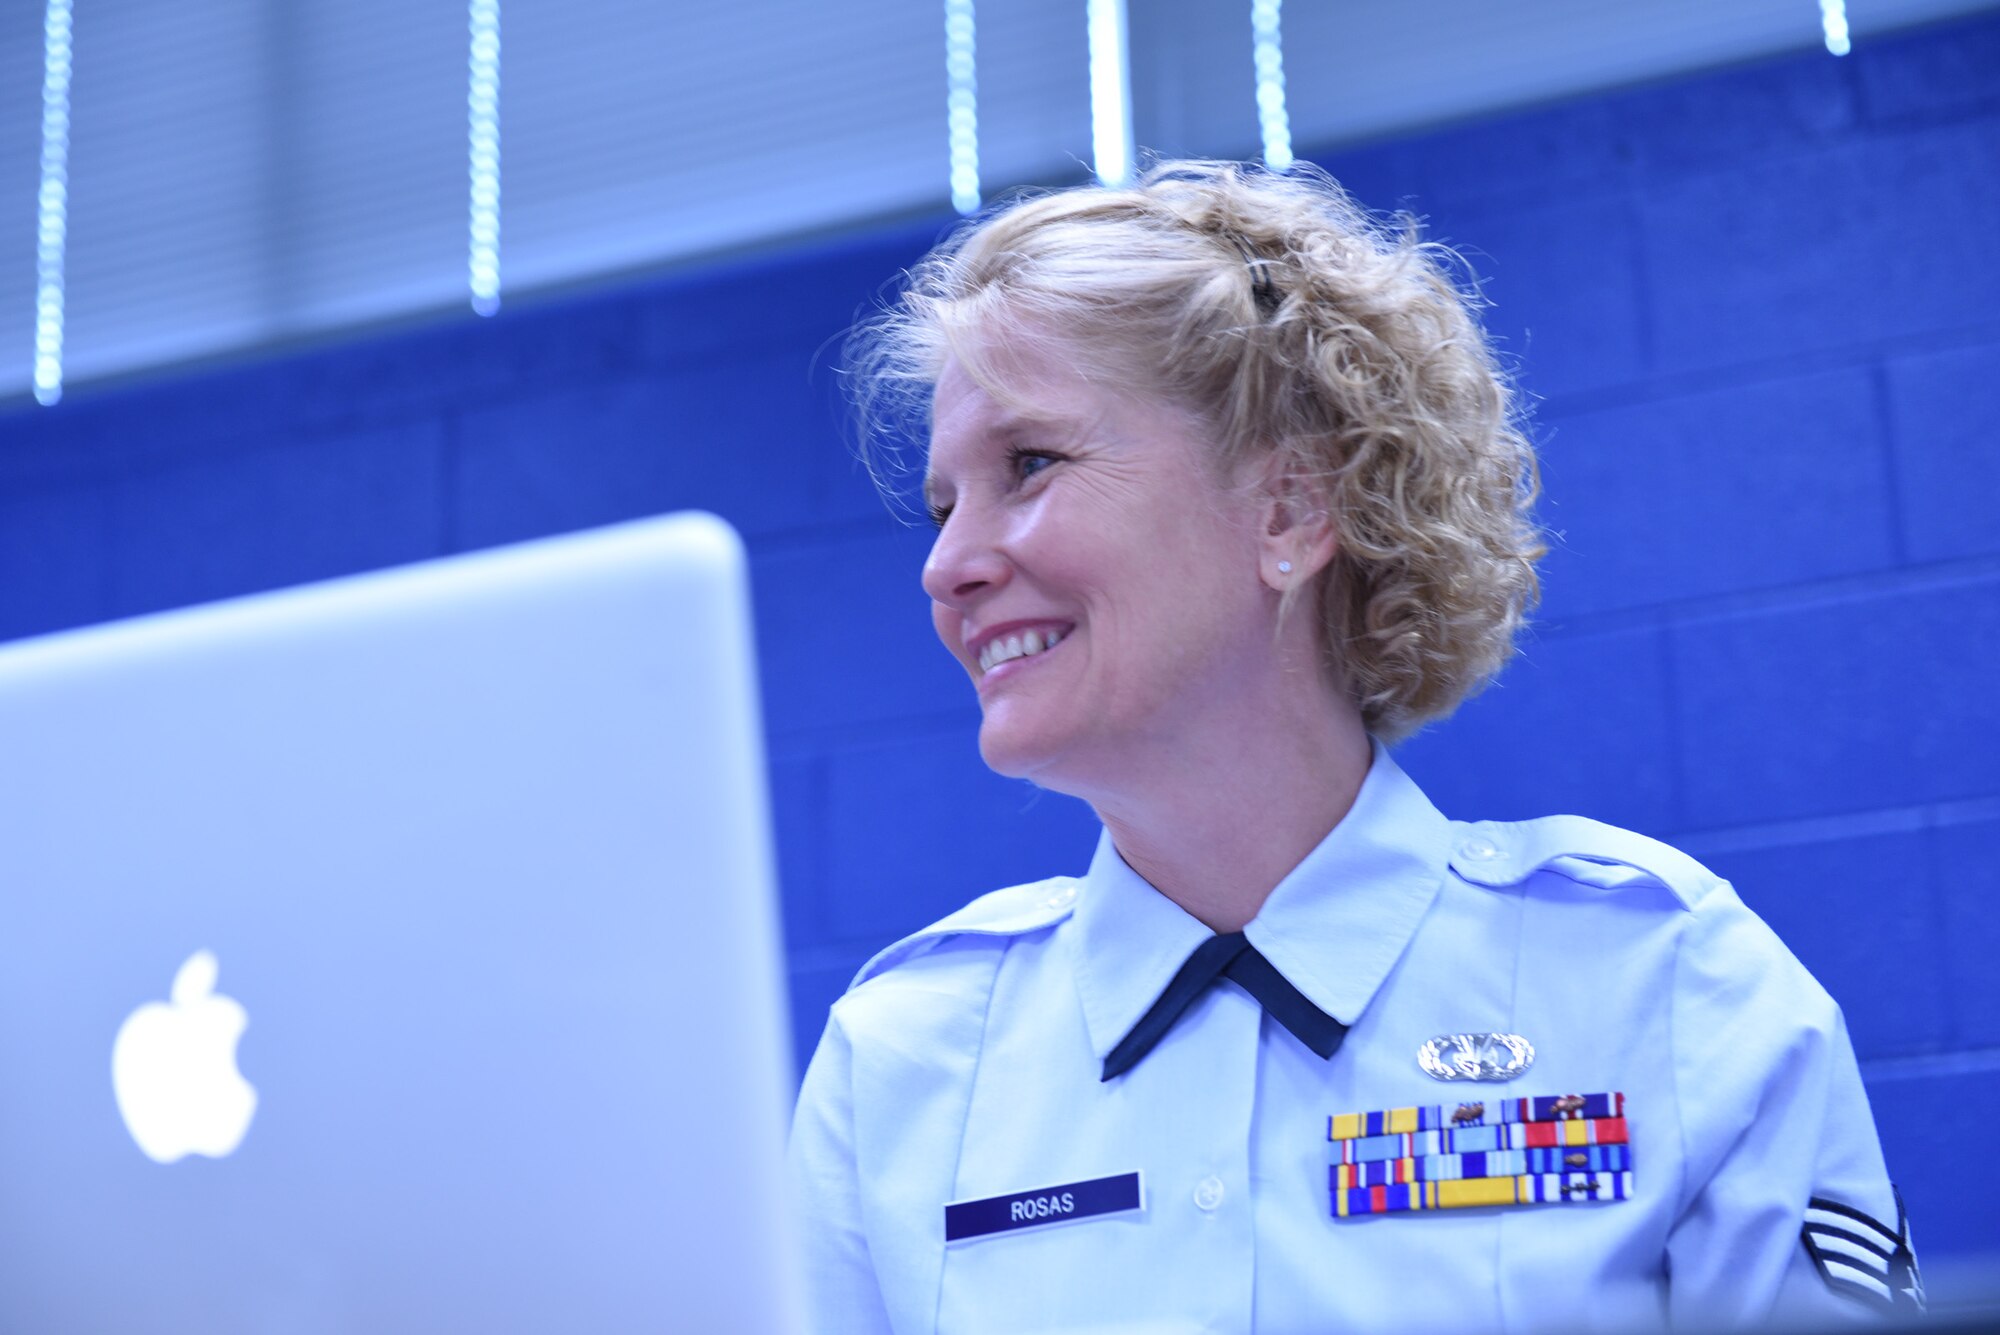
{"type": "Point", "coordinates": [1863, 1258]}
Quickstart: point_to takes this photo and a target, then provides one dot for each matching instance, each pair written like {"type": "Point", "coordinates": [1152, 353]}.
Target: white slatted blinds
{"type": "Point", "coordinates": [244, 170]}
{"type": "Point", "coordinates": [247, 170]}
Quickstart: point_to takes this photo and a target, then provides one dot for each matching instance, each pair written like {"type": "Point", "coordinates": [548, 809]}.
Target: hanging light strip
{"type": "Point", "coordinates": [53, 231]}
{"type": "Point", "coordinates": [1833, 21]}
{"type": "Point", "coordinates": [483, 126]}
{"type": "Point", "coordinates": [962, 104]}
{"type": "Point", "coordinates": [1268, 52]}
{"type": "Point", "coordinates": [1110, 91]}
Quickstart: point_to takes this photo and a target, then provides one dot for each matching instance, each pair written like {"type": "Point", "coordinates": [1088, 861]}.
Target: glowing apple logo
{"type": "Point", "coordinates": [173, 1069]}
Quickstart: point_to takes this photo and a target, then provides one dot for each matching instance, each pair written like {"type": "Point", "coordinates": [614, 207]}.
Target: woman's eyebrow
{"type": "Point", "coordinates": [1006, 424]}
{"type": "Point", "coordinates": [1020, 430]}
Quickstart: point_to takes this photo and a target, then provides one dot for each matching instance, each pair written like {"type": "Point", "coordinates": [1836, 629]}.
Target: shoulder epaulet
{"type": "Point", "coordinates": [1015, 911]}
{"type": "Point", "coordinates": [1586, 851]}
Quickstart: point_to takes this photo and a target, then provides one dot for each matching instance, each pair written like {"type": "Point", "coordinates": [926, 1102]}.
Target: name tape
{"type": "Point", "coordinates": [1042, 1205]}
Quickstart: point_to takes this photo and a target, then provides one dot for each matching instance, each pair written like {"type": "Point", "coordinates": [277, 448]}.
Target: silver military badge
{"type": "Point", "coordinates": [1492, 1057]}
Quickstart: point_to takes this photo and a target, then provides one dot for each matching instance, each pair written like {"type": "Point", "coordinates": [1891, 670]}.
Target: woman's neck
{"type": "Point", "coordinates": [1216, 831]}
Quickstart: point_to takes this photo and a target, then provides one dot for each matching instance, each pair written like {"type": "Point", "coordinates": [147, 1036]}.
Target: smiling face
{"type": "Point", "coordinates": [1098, 582]}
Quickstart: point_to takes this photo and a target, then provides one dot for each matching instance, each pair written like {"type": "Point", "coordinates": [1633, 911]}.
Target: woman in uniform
{"type": "Point", "coordinates": [1230, 492]}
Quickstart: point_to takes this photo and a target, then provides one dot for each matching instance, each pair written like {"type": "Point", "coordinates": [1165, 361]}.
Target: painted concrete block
{"type": "Point", "coordinates": [84, 438]}
{"type": "Point", "coordinates": [1578, 724]}
{"type": "Point", "coordinates": [697, 440]}
{"type": "Point", "coordinates": [1385, 178]}
{"type": "Point", "coordinates": [808, 297]}
{"type": "Point", "coordinates": [364, 380]}
{"type": "Point", "coordinates": [1816, 252]}
{"type": "Point", "coordinates": [1754, 486]}
{"type": "Point", "coordinates": [1564, 289]}
{"type": "Point", "coordinates": [460, 359]}
{"type": "Point", "coordinates": [1926, 1121]}
{"type": "Point", "coordinates": [33, 441]}
{"type": "Point", "coordinates": [1965, 855]}
{"type": "Point", "coordinates": [1749, 114]}
{"type": "Point", "coordinates": [768, 417]}
{"type": "Point", "coordinates": [54, 559]}
{"type": "Point", "coordinates": [798, 824]}
{"type": "Point", "coordinates": [1943, 70]}
{"type": "Point", "coordinates": [844, 634]}
{"type": "Point", "coordinates": [1579, 150]}
{"type": "Point", "coordinates": [104, 431]}
{"type": "Point", "coordinates": [918, 827]}
{"type": "Point", "coordinates": [1863, 914]}
{"type": "Point", "coordinates": [847, 491]}
{"type": "Point", "coordinates": [217, 525]}
{"type": "Point", "coordinates": [1946, 412]}
{"type": "Point", "coordinates": [1883, 699]}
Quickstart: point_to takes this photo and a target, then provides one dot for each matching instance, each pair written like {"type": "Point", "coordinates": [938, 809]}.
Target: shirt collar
{"type": "Point", "coordinates": [1334, 926]}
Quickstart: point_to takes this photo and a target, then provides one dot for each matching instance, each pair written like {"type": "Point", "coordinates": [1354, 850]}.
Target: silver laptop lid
{"type": "Point", "coordinates": [479, 851]}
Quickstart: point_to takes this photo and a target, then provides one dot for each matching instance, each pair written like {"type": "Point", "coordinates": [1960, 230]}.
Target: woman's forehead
{"type": "Point", "coordinates": [1054, 406]}
{"type": "Point", "coordinates": [1022, 365]}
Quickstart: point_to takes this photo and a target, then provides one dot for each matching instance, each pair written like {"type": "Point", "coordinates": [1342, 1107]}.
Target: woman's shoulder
{"type": "Point", "coordinates": [964, 947]}
{"type": "Point", "coordinates": [1714, 935]}
{"type": "Point", "coordinates": [1581, 852]}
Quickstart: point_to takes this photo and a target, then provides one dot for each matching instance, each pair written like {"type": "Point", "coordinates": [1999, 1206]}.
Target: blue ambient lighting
{"type": "Point", "coordinates": [1833, 19]}
{"type": "Point", "coordinates": [53, 202]}
{"type": "Point", "coordinates": [961, 104]}
{"type": "Point", "coordinates": [1110, 91]}
{"type": "Point", "coordinates": [482, 101]}
{"type": "Point", "coordinates": [1268, 52]}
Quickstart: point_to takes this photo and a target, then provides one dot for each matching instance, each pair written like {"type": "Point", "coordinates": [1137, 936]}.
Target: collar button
{"type": "Point", "coordinates": [1479, 849]}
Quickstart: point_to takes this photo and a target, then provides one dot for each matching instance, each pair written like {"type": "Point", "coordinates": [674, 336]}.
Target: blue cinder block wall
{"type": "Point", "coordinates": [1760, 310]}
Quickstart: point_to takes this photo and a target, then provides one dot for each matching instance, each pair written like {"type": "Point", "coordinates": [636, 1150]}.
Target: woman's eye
{"type": "Point", "coordinates": [1027, 463]}
{"type": "Point", "coordinates": [939, 513]}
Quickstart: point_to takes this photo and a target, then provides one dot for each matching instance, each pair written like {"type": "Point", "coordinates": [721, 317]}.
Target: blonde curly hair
{"type": "Point", "coordinates": [1290, 323]}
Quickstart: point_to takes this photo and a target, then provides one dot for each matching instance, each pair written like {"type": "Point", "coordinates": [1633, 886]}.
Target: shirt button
{"type": "Point", "coordinates": [1479, 850]}
{"type": "Point", "coordinates": [1062, 897]}
{"type": "Point", "coordinates": [1208, 1193]}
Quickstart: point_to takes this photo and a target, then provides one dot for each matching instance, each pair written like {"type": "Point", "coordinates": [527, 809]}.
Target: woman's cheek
{"type": "Point", "coordinates": [950, 627]}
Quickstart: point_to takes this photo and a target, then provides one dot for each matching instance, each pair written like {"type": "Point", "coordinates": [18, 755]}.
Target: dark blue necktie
{"type": "Point", "coordinates": [1230, 956]}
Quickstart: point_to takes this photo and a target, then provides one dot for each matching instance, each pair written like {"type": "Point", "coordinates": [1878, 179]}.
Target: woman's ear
{"type": "Point", "coordinates": [1299, 538]}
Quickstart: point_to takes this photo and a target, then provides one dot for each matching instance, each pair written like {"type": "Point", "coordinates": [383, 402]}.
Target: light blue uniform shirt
{"type": "Point", "coordinates": [964, 1064]}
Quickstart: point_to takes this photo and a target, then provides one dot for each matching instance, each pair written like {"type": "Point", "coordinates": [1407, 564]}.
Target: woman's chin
{"type": "Point", "coordinates": [1014, 747]}
{"type": "Point", "coordinates": [1005, 753]}
{"type": "Point", "coordinates": [1056, 763]}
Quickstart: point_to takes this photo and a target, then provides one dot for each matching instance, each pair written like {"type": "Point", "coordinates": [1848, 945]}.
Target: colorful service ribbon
{"type": "Point", "coordinates": [1499, 1163]}
{"type": "Point", "coordinates": [1531, 1189]}
{"type": "Point", "coordinates": [1558, 1149]}
{"type": "Point", "coordinates": [1483, 1112]}
{"type": "Point", "coordinates": [1484, 1140]}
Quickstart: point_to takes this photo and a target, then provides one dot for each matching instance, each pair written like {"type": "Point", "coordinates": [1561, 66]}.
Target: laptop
{"type": "Point", "coordinates": [398, 954]}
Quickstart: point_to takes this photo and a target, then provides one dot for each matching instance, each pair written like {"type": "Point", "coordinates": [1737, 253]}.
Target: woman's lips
{"type": "Point", "coordinates": [1009, 654]}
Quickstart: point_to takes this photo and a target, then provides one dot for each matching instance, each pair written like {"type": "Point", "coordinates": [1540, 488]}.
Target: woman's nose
{"type": "Point", "coordinates": [964, 561]}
